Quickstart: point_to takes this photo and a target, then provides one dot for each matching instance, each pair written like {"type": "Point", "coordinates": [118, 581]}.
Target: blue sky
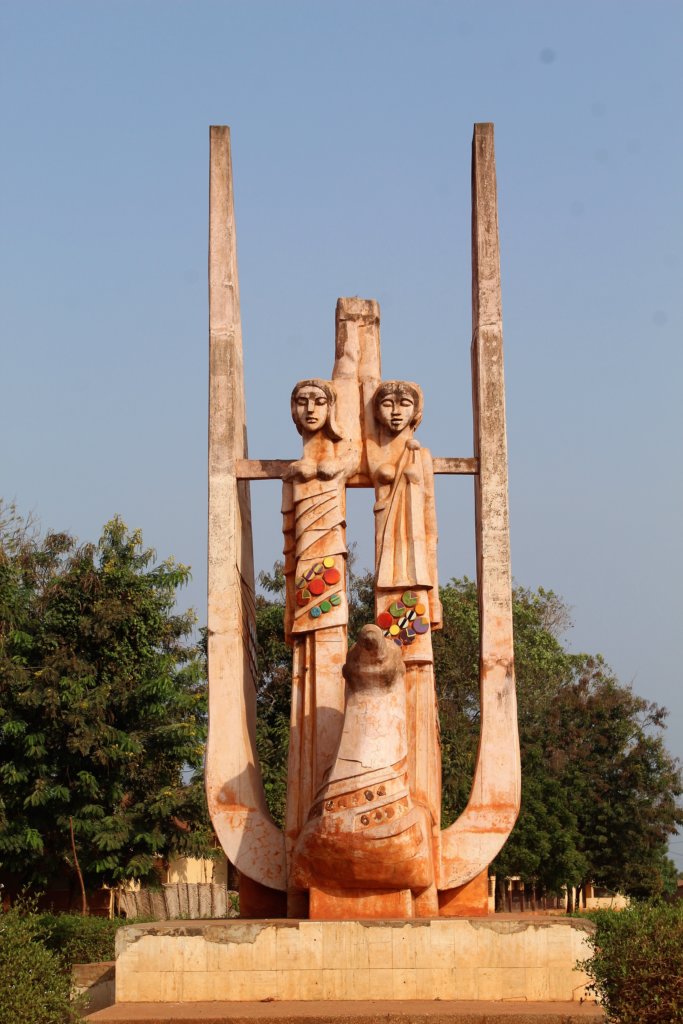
{"type": "Point", "coordinates": [351, 126]}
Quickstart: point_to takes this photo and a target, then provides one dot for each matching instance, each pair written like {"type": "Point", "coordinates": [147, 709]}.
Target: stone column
{"type": "Point", "coordinates": [472, 842]}
{"type": "Point", "coordinates": [234, 786]}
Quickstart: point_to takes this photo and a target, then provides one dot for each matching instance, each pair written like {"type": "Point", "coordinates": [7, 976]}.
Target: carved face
{"type": "Point", "coordinates": [396, 411]}
{"type": "Point", "coordinates": [311, 408]}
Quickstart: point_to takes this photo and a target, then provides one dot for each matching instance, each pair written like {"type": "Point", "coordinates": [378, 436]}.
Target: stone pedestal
{"type": "Point", "coordinates": [520, 958]}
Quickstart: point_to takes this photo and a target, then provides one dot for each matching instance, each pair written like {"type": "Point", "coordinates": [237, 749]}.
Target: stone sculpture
{"type": "Point", "coordinates": [362, 835]}
{"type": "Point", "coordinates": [364, 830]}
{"type": "Point", "coordinates": [316, 614]}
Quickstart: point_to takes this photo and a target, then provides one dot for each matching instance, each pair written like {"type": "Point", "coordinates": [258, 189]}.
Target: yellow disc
{"type": "Point", "coordinates": [420, 609]}
{"type": "Point", "coordinates": [394, 630]}
{"type": "Point", "coordinates": [328, 562]}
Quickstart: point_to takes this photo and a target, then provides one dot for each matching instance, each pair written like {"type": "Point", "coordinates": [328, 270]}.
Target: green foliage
{"type": "Point", "coordinates": [79, 939]}
{"type": "Point", "coordinates": [273, 692]}
{"type": "Point", "coordinates": [34, 986]}
{"type": "Point", "coordinates": [599, 790]}
{"type": "Point", "coordinates": [637, 963]}
{"type": "Point", "coordinates": [102, 705]}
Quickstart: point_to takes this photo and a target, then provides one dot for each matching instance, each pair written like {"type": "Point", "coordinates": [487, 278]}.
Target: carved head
{"type": "Point", "coordinates": [313, 405]}
{"type": "Point", "coordinates": [372, 663]}
{"type": "Point", "coordinates": [398, 404]}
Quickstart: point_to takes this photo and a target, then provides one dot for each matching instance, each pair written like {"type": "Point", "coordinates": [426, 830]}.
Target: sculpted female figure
{"type": "Point", "coordinates": [406, 585]}
{"type": "Point", "coordinates": [316, 607]}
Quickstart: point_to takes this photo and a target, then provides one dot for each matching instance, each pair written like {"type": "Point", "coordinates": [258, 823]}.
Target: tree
{"type": "Point", "coordinates": [102, 709]}
{"type": "Point", "coordinates": [599, 789]}
{"type": "Point", "coordinates": [623, 782]}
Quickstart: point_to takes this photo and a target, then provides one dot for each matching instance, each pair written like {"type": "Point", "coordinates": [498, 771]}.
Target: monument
{"type": "Point", "coordinates": [362, 895]}
{"type": "Point", "coordinates": [363, 835]}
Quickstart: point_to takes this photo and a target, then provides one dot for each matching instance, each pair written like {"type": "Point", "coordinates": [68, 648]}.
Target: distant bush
{"type": "Point", "coordinates": [637, 963]}
{"type": "Point", "coordinates": [79, 940]}
{"type": "Point", "coordinates": [34, 987]}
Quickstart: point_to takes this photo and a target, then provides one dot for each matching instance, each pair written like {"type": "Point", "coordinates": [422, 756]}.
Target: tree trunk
{"type": "Point", "coordinates": [570, 899]}
{"type": "Point", "coordinates": [500, 895]}
{"type": "Point", "coordinates": [522, 904]}
{"type": "Point", "coordinates": [508, 887]}
{"type": "Point", "coordinates": [532, 894]}
{"type": "Point", "coordinates": [84, 899]}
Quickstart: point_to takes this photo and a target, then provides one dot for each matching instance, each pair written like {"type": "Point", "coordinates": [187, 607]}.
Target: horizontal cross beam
{"type": "Point", "coordinates": [274, 469]}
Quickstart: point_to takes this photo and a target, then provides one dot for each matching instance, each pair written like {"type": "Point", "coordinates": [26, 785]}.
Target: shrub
{"type": "Point", "coordinates": [637, 963]}
{"type": "Point", "coordinates": [79, 940]}
{"type": "Point", "coordinates": [34, 987]}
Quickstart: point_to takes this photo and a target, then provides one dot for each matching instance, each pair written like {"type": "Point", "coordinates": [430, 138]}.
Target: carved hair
{"type": "Point", "coordinates": [401, 389]}
{"type": "Point", "coordinates": [330, 428]}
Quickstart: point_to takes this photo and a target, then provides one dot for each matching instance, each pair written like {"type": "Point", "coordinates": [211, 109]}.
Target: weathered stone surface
{"type": "Point", "coordinates": [364, 829]}
{"type": "Point", "coordinates": [233, 781]}
{"type": "Point", "coordinates": [466, 958]}
{"type": "Point", "coordinates": [96, 983]}
{"type": "Point", "coordinates": [357, 430]}
{"type": "Point", "coordinates": [471, 842]}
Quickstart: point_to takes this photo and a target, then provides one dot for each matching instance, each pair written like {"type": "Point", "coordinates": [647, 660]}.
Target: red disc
{"type": "Point", "coordinates": [302, 598]}
{"type": "Point", "coordinates": [331, 576]}
{"type": "Point", "coordinates": [316, 586]}
{"type": "Point", "coordinates": [384, 620]}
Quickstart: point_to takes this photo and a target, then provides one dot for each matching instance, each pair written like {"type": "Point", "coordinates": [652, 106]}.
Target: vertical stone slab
{"type": "Point", "coordinates": [357, 370]}
{"type": "Point", "coordinates": [471, 843]}
{"type": "Point", "coordinates": [234, 785]}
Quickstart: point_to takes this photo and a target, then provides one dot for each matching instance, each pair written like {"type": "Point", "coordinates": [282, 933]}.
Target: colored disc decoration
{"type": "Point", "coordinates": [328, 562]}
{"type": "Point", "coordinates": [316, 586]}
{"type": "Point", "coordinates": [319, 569]}
{"type": "Point", "coordinates": [403, 621]}
{"type": "Point", "coordinates": [335, 599]}
{"type": "Point", "coordinates": [325, 606]}
{"type": "Point", "coordinates": [315, 613]}
{"type": "Point", "coordinates": [303, 597]}
{"type": "Point", "coordinates": [331, 576]}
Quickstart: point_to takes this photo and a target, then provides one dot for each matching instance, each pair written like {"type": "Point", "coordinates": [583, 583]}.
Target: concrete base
{"type": "Point", "coordinates": [371, 1012]}
{"type": "Point", "coordinates": [520, 958]}
{"type": "Point", "coordinates": [96, 982]}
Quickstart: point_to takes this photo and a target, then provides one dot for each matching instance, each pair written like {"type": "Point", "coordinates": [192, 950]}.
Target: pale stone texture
{"type": "Point", "coordinates": [471, 842]}
{"type": "Point", "coordinates": [465, 958]}
{"type": "Point", "coordinates": [233, 780]}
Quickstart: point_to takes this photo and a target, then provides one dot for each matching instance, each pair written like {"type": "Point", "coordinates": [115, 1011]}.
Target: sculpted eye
{"type": "Point", "coordinates": [321, 401]}
{"type": "Point", "coordinates": [406, 402]}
